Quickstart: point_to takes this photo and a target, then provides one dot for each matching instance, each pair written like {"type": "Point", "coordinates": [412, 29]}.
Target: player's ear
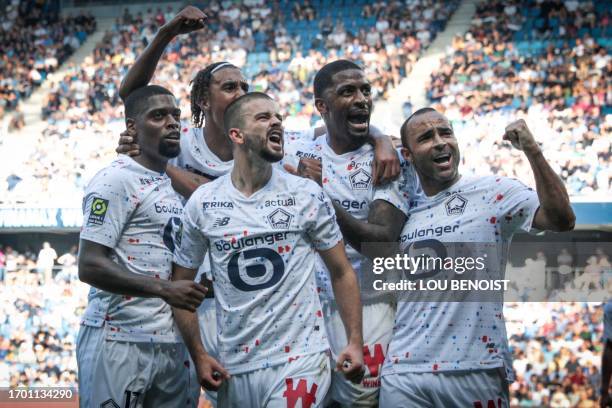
{"type": "Point", "coordinates": [204, 104]}
{"type": "Point", "coordinates": [236, 136]}
{"type": "Point", "coordinates": [406, 154]}
{"type": "Point", "coordinates": [130, 125]}
{"type": "Point", "coordinates": [321, 106]}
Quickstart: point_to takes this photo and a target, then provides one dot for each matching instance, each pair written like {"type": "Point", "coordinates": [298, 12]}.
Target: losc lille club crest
{"type": "Point", "coordinates": [360, 179]}
{"type": "Point", "coordinates": [455, 205]}
{"type": "Point", "coordinates": [280, 218]}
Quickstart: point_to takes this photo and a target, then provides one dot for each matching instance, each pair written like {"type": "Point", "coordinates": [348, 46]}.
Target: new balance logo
{"type": "Point", "coordinates": [374, 362]}
{"type": "Point", "coordinates": [221, 222]}
{"type": "Point", "coordinates": [300, 393]}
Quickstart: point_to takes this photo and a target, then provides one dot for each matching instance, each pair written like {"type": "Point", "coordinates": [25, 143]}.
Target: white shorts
{"type": "Point", "coordinates": [303, 382]}
{"type": "Point", "coordinates": [476, 389]}
{"type": "Point", "coordinates": [207, 317]}
{"type": "Point", "coordinates": [131, 375]}
{"type": "Point", "coordinates": [378, 320]}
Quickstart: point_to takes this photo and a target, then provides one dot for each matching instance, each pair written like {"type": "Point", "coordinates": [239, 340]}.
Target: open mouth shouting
{"type": "Point", "coordinates": [359, 121]}
{"type": "Point", "coordinates": [443, 160]}
{"type": "Point", "coordinates": [275, 138]}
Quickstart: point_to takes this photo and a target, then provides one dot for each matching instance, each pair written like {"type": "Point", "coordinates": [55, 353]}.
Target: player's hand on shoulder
{"type": "Point", "coordinates": [184, 294]}
{"type": "Point", "coordinates": [211, 373]}
{"type": "Point", "coordinates": [128, 144]}
{"type": "Point", "coordinates": [521, 137]}
{"type": "Point", "coordinates": [386, 164]}
{"type": "Point", "coordinates": [187, 20]}
{"type": "Point", "coordinates": [350, 363]}
{"type": "Point", "coordinates": [308, 168]}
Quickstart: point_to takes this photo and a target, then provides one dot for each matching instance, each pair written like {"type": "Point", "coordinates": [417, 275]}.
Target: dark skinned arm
{"type": "Point", "coordinates": [385, 223]}
{"type": "Point", "coordinates": [97, 269]}
{"type": "Point", "coordinates": [140, 74]}
{"type": "Point", "coordinates": [185, 182]}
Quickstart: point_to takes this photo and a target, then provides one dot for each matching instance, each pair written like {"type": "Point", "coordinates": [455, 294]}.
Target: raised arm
{"type": "Point", "coordinates": [97, 269]}
{"type": "Point", "coordinates": [187, 20]}
{"type": "Point", "coordinates": [555, 212]}
{"type": "Point", "coordinates": [189, 326]}
{"type": "Point", "coordinates": [346, 291]}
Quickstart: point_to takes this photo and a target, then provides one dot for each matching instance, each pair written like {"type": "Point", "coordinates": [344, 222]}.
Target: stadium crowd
{"type": "Point", "coordinates": [559, 80]}
{"type": "Point", "coordinates": [557, 350]}
{"type": "Point", "coordinates": [83, 110]}
{"type": "Point", "coordinates": [35, 41]}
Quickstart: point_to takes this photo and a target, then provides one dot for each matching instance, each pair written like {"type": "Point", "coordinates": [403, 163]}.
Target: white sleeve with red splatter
{"type": "Point", "coordinates": [515, 204]}
{"type": "Point", "coordinates": [320, 219]}
{"type": "Point", "coordinates": [107, 207]}
{"type": "Point", "coordinates": [191, 243]}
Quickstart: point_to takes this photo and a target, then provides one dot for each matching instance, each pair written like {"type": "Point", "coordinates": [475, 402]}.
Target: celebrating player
{"type": "Point", "coordinates": [128, 350]}
{"type": "Point", "coordinates": [342, 162]}
{"type": "Point", "coordinates": [450, 353]}
{"type": "Point", "coordinates": [206, 151]}
{"type": "Point", "coordinates": [261, 227]}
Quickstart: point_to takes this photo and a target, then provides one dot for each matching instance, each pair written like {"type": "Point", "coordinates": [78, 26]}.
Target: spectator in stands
{"type": "Point", "coordinates": [45, 261]}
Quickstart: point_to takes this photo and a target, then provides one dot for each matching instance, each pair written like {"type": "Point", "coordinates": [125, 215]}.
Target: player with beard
{"type": "Point", "coordinates": [128, 350]}
{"type": "Point", "coordinates": [342, 163]}
{"type": "Point", "coordinates": [262, 227]}
{"type": "Point", "coordinates": [456, 353]}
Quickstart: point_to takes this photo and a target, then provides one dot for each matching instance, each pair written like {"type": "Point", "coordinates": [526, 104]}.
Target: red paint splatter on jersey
{"type": "Point", "coordinates": [287, 248]}
{"type": "Point", "coordinates": [131, 258]}
{"type": "Point", "coordinates": [499, 197]}
{"type": "Point", "coordinates": [246, 349]}
{"type": "Point", "coordinates": [319, 313]}
{"type": "Point", "coordinates": [493, 220]}
{"type": "Point", "coordinates": [301, 392]}
{"type": "Point", "coordinates": [185, 130]}
{"type": "Point", "coordinates": [281, 249]}
{"type": "Point", "coordinates": [107, 318]}
{"type": "Point", "coordinates": [485, 339]}
{"type": "Point", "coordinates": [292, 359]}
{"type": "Point", "coordinates": [287, 349]}
{"type": "Point", "coordinates": [233, 240]}
{"type": "Point", "coordinates": [497, 180]}
{"type": "Point", "coordinates": [349, 167]}
{"type": "Point", "coordinates": [435, 367]}
{"type": "Point", "coordinates": [157, 276]}
{"type": "Point", "coordinates": [318, 289]}
{"type": "Point", "coordinates": [407, 355]}
{"type": "Point", "coordinates": [325, 180]}
{"type": "Point", "coordinates": [245, 233]}
{"type": "Point", "coordinates": [257, 342]}
{"type": "Point", "coordinates": [133, 240]}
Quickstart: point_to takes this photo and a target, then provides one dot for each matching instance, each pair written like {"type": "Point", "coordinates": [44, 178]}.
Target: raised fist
{"type": "Point", "coordinates": [187, 20]}
{"type": "Point", "coordinates": [520, 136]}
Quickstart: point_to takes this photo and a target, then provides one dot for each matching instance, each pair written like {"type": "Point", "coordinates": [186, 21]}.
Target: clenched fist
{"type": "Point", "coordinates": [520, 136]}
{"type": "Point", "coordinates": [187, 20]}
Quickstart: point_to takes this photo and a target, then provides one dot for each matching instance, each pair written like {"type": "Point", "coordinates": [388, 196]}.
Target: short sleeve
{"type": "Point", "coordinates": [191, 243]}
{"type": "Point", "coordinates": [320, 224]}
{"type": "Point", "coordinates": [515, 204]}
{"type": "Point", "coordinates": [107, 207]}
{"type": "Point", "coordinates": [404, 192]}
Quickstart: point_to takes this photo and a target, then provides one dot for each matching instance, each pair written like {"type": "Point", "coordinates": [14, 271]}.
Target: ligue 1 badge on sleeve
{"type": "Point", "coordinates": [99, 207]}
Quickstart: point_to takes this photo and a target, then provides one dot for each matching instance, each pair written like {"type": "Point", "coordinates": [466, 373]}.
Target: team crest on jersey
{"type": "Point", "coordinates": [280, 218]}
{"type": "Point", "coordinates": [360, 179]}
{"type": "Point", "coordinates": [99, 207]}
{"type": "Point", "coordinates": [455, 205]}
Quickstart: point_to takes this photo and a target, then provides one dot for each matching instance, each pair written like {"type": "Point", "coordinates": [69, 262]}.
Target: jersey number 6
{"type": "Point", "coordinates": [258, 271]}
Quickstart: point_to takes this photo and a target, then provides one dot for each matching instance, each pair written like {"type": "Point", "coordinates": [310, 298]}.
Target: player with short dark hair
{"type": "Point", "coordinates": [342, 163]}
{"type": "Point", "coordinates": [261, 227]}
{"type": "Point", "coordinates": [128, 350]}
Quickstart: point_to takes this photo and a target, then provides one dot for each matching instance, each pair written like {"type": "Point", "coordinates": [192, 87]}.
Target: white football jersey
{"type": "Point", "coordinates": [134, 211]}
{"type": "Point", "coordinates": [262, 249]}
{"type": "Point", "coordinates": [608, 321]}
{"type": "Point", "coordinates": [433, 336]}
{"type": "Point", "coordinates": [197, 158]}
{"type": "Point", "coordinates": [347, 179]}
